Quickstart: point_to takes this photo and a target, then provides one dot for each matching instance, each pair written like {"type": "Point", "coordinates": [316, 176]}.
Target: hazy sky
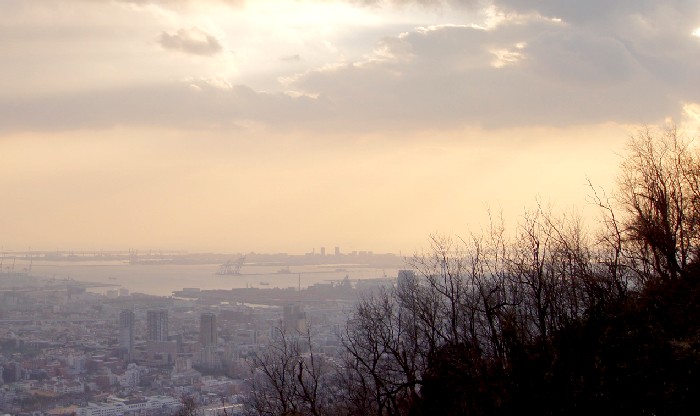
{"type": "Point", "coordinates": [281, 125]}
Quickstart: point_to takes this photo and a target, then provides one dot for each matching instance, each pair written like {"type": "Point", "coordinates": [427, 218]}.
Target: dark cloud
{"type": "Point", "coordinates": [193, 41]}
{"type": "Point", "coordinates": [291, 58]}
{"type": "Point", "coordinates": [580, 58]}
{"type": "Point", "coordinates": [603, 11]}
{"type": "Point", "coordinates": [198, 105]}
{"type": "Point", "coordinates": [557, 74]}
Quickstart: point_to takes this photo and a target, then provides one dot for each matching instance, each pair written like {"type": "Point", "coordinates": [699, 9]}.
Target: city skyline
{"type": "Point", "coordinates": [278, 125]}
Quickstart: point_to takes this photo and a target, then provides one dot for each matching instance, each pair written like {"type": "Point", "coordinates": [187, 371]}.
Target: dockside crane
{"type": "Point", "coordinates": [231, 268]}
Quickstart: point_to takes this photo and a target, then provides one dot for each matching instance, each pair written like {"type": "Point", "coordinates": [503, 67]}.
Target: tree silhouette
{"type": "Point", "coordinates": [555, 319]}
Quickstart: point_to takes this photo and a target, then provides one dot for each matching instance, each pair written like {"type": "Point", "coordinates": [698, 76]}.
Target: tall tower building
{"type": "Point", "coordinates": [208, 335]}
{"type": "Point", "coordinates": [157, 325]}
{"type": "Point", "coordinates": [126, 331]}
{"type": "Point", "coordinates": [406, 281]}
{"type": "Point", "coordinates": [293, 318]}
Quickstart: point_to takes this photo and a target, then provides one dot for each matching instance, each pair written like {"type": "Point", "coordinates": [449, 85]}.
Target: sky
{"type": "Point", "coordinates": [287, 125]}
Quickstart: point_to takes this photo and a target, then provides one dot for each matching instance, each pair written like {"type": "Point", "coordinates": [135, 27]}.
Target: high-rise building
{"type": "Point", "coordinates": [293, 318]}
{"type": "Point", "coordinates": [208, 338]}
{"type": "Point", "coordinates": [126, 331]}
{"type": "Point", "coordinates": [406, 281]}
{"type": "Point", "coordinates": [157, 325]}
{"type": "Point", "coordinates": [207, 329]}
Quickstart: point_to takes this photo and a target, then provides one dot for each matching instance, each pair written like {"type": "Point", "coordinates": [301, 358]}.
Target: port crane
{"type": "Point", "coordinates": [231, 268]}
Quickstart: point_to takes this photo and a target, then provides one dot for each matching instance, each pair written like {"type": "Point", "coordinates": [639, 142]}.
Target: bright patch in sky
{"type": "Point", "coordinates": [505, 57]}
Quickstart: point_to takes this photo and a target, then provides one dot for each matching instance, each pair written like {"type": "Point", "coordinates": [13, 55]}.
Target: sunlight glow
{"type": "Point", "coordinates": [329, 15]}
{"type": "Point", "coordinates": [505, 57]}
{"type": "Point", "coordinates": [691, 117]}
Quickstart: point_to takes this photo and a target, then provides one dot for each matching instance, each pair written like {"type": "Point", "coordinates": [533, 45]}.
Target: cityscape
{"type": "Point", "coordinates": [90, 349]}
{"type": "Point", "coordinates": [349, 207]}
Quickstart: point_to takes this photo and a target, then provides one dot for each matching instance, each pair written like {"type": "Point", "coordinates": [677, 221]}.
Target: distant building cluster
{"type": "Point", "coordinates": [74, 351]}
{"type": "Point", "coordinates": [338, 253]}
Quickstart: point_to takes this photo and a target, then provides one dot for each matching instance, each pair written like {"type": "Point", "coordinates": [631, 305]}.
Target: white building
{"type": "Point", "coordinates": [131, 377]}
{"type": "Point", "coordinates": [117, 407]}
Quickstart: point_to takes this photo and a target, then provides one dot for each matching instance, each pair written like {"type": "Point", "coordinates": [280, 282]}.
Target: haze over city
{"type": "Point", "coordinates": [278, 126]}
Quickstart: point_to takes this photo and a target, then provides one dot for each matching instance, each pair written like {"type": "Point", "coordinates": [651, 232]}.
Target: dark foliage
{"type": "Point", "coordinates": [640, 356]}
{"type": "Point", "coordinates": [636, 351]}
{"type": "Point", "coordinates": [459, 381]}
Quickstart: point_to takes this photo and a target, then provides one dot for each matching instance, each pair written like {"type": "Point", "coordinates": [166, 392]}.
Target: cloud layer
{"type": "Point", "coordinates": [517, 63]}
{"type": "Point", "coordinates": [193, 40]}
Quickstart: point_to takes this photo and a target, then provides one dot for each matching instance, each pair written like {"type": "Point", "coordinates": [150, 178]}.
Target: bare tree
{"type": "Point", "coordinates": [659, 198]}
{"type": "Point", "coordinates": [609, 250]}
{"type": "Point", "coordinates": [288, 376]}
{"type": "Point", "coordinates": [553, 276]}
{"type": "Point", "coordinates": [188, 406]}
{"type": "Point", "coordinates": [487, 307]}
{"type": "Point", "coordinates": [384, 360]}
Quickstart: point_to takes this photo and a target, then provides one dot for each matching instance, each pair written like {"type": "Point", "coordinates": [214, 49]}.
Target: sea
{"type": "Point", "coordinates": [164, 279]}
